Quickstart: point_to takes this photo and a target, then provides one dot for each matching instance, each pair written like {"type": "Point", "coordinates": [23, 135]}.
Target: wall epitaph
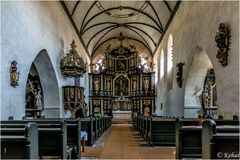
{"type": "Point", "coordinates": [223, 42]}
{"type": "Point", "coordinates": [179, 73]}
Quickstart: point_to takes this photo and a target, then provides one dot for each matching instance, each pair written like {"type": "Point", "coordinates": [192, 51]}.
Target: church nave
{"type": "Point", "coordinates": [121, 79]}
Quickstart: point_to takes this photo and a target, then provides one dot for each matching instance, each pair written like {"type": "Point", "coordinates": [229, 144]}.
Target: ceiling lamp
{"type": "Point", "coordinates": [123, 15]}
{"type": "Point", "coordinates": [72, 65]}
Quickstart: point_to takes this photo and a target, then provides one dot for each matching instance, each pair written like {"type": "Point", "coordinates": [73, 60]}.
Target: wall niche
{"type": "Point", "coordinates": [34, 94]}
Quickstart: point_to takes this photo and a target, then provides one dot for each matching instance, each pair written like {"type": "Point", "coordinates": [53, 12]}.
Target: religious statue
{"type": "Point", "coordinates": [146, 85]}
{"type": "Point", "coordinates": [223, 42]}
{"type": "Point", "coordinates": [38, 100]}
{"type": "Point", "coordinates": [134, 84]}
{"type": "Point", "coordinates": [14, 75]}
{"type": "Point", "coordinates": [108, 85]}
{"type": "Point", "coordinates": [33, 95]}
{"type": "Point", "coordinates": [122, 66]}
{"type": "Point", "coordinates": [146, 111]}
{"type": "Point", "coordinates": [97, 87]}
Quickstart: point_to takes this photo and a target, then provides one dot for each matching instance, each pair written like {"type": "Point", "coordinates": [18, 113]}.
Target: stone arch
{"type": "Point", "coordinates": [49, 83]}
{"type": "Point", "coordinates": [195, 78]}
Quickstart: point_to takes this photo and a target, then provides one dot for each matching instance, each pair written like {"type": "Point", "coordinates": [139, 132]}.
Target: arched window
{"type": "Point", "coordinates": [170, 63]}
{"type": "Point", "coordinates": [162, 64]}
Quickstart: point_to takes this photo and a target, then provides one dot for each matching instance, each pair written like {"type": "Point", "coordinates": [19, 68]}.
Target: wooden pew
{"type": "Point", "coordinates": [95, 127]}
{"type": "Point", "coordinates": [102, 125]}
{"type": "Point", "coordinates": [162, 131]}
{"type": "Point", "coordinates": [147, 128]}
{"type": "Point", "coordinates": [140, 123]}
{"type": "Point", "coordinates": [189, 137]}
{"type": "Point", "coordinates": [144, 126]}
{"type": "Point", "coordinates": [52, 136]}
{"type": "Point", "coordinates": [134, 122]}
{"type": "Point", "coordinates": [87, 125]}
{"type": "Point", "coordinates": [20, 143]}
{"type": "Point", "coordinates": [108, 121]}
{"type": "Point", "coordinates": [220, 142]}
{"type": "Point", "coordinates": [73, 137]}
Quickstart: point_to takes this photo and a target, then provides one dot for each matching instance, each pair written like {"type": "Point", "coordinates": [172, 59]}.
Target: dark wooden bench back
{"type": "Point", "coordinates": [52, 135]}
{"type": "Point", "coordinates": [20, 143]}
{"type": "Point", "coordinates": [189, 140]}
{"type": "Point", "coordinates": [73, 135]}
{"type": "Point", "coordinates": [162, 131]}
{"type": "Point", "coordinates": [220, 141]}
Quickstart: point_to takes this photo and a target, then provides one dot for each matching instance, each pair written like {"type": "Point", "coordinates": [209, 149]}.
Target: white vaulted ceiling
{"type": "Point", "coordinates": [98, 22]}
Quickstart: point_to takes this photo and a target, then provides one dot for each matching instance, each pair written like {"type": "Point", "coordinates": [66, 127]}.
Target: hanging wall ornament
{"type": "Point", "coordinates": [179, 74]}
{"type": "Point", "coordinates": [223, 43]}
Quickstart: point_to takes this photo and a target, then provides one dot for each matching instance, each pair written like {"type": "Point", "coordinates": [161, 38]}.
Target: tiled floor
{"type": "Point", "coordinates": [122, 142]}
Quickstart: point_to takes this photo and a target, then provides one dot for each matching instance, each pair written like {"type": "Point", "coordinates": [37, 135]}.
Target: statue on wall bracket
{"type": "Point", "coordinates": [179, 73]}
{"type": "Point", "coordinates": [14, 75]}
{"type": "Point", "coordinates": [223, 42]}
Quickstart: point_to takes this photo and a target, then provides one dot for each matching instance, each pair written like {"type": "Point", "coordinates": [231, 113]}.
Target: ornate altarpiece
{"type": "Point", "coordinates": [122, 85]}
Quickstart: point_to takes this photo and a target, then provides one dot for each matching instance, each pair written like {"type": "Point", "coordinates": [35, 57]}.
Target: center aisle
{"type": "Point", "coordinates": [122, 142]}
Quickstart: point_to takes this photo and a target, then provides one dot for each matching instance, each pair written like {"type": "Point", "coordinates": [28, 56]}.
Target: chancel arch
{"type": "Point", "coordinates": [45, 91]}
{"type": "Point", "coordinates": [199, 80]}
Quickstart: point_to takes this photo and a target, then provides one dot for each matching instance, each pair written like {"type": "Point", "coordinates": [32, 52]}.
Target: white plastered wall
{"type": "Point", "coordinates": [195, 24]}
{"type": "Point", "coordinates": [28, 27]}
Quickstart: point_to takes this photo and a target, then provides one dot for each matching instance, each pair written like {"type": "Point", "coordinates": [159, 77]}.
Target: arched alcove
{"type": "Point", "coordinates": [50, 90]}
{"type": "Point", "coordinates": [199, 67]}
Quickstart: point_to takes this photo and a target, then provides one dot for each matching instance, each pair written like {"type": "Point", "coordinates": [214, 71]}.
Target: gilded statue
{"type": "Point", "coordinates": [14, 75]}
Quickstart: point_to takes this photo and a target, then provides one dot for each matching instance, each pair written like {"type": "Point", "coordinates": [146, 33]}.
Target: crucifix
{"type": "Point", "coordinates": [121, 38]}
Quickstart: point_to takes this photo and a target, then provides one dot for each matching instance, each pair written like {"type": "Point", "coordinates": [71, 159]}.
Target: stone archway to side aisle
{"type": "Point", "coordinates": [195, 82]}
{"type": "Point", "coordinates": [49, 84]}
